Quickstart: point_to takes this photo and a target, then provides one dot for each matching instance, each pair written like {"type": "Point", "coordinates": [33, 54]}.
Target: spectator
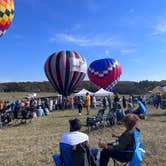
{"type": "Point", "coordinates": [129, 109]}
{"type": "Point", "coordinates": [40, 112]}
{"type": "Point", "coordinates": [17, 108]}
{"type": "Point", "coordinates": [87, 103]}
{"type": "Point", "coordinates": [51, 104]}
{"type": "Point", "coordinates": [141, 109]}
{"type": "Point", "coordinates": [124, 102]}
{"type": "Point", "coordinates": [125, 142]}
{"type": "Point", "coordinates": [71, 101]}
{"type": "Point", "coordinates": [70, 139]}
{"type": "Point", "coordinates": [93, 101]}
{"type": "Point", "coordinates": [116, 98]}
{"type": "Point", "coordinates": [105, 102]}
{"type": "Point", "coordinates": [80, 105]}
{"type": "Point", "coordinates": [110, 102]}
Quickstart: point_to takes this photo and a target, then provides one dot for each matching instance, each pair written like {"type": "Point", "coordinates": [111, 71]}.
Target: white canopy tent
{"type": "Point", "coordinates": [102, 92]}
{"type": "Point", "coordinates": [83, 93]}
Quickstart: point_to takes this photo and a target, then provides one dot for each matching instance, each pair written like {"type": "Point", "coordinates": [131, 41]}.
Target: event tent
{"type": "Point", "coordinates": [83, 93]}
{"type": "Point", "coordinates": [102, 92]}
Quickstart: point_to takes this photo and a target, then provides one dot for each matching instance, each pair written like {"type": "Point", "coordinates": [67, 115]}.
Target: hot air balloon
{"type": "Point", "coordinates": [65, 70]}
{"type": "Point", "coordinates": [6, 15]}
{"type": "Point", "coordinates": [105, 73]}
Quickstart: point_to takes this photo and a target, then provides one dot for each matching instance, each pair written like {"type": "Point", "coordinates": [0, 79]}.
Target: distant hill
{"type": "Point", "coordinates": [123, 87]}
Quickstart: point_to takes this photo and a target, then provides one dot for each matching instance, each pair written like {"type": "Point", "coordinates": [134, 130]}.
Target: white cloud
{"type": "Point", "coordinates": [128, 51]}
{"type": "Point", "coordinates": [137, 61]}
{"type": "Point", "coordinates": [107, 52]}
{"type": "Point", "coordinates": [89, 40]}
{"type": "Point", "coordinates": [131, 11]}
{"type": "Point", "coordinates": [76, 27]}
{"type": "Point", "coordinates": [94, 5]}
{"type": "Point", "coordinates": [160, 28]}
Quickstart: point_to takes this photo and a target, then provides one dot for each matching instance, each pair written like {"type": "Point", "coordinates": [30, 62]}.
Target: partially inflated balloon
{"type": "Point", "coordinates": [6, 15]}
{"type": "Point", "coordinates": [65, 70]}
{"type": "Point", "coordinates": [105, 73]}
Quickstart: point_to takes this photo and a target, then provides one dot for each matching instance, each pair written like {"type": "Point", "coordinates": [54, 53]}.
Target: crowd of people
{"type": "Point", "coordinates": [36, 107]}
{"type": "Point", "coordinates": [27, 108]}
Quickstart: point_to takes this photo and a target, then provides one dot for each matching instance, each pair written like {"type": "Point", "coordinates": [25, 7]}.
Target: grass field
{"type": "Point", "coordinates": [33, 144]}
{"type": "Point", "coordinates": [21, 95]}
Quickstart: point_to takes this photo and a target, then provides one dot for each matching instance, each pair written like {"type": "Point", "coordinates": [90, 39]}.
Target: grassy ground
{"type": "Point", "coordinates": [33, 144]}
{"type": "Point", "coordinates": [21, 95]}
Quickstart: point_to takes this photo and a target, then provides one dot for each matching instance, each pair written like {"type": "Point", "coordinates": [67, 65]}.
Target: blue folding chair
{"type": "Point", "coordinates": [138, 153]}
{"type": "Point", "coordinates": [57, 159]}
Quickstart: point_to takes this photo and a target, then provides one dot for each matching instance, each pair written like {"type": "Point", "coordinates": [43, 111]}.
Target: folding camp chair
{"type": "Point", "coordinates": [138, 153]}
{"type": "Point", "coordinates": [58, 162]}
{"type": "Point", "coordinates": [96, 121]}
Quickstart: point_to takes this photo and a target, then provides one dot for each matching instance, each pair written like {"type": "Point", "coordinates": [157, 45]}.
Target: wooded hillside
{"type": "Point", "coordinates": [123, 87]}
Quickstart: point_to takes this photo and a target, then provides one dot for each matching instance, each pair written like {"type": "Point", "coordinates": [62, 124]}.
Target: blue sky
{"type": "Point", "coordinates": [131, 31]}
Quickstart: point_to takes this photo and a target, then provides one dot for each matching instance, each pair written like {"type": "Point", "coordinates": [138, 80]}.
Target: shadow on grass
{"type": "Point", "coordinates": [157, 115]}
{"type": "Point", "coordinates": [66, 116]}
{"type": "Point", "coordinates": [17, 123]}
{"type": "Point", "coordinates": [163, 121]}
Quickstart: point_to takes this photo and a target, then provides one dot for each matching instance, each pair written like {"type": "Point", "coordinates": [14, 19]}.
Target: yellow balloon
{"type": "Point", "coordinates": [6, 15]}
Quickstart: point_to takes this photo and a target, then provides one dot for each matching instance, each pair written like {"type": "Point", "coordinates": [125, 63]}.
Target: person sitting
{"type": "Point", "coordinates": [39, 111]}
{"type": "Point", "coordinates": [129, 109]}
{"type": "Point", "coordinates": [125, 142]}
{"type": "Point", "coordinates": [72, 140]}
{"type": "Point", "coordinates": [141, 110]}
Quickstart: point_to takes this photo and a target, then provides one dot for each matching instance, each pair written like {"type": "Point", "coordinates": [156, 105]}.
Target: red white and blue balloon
{"type": "Point", "coordinates": [105, 73]}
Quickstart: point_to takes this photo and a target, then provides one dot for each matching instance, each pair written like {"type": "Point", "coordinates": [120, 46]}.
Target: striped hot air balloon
{"type": "Point", "coordinates": [6, 15]}
{"type": "Point", "coordinates": [65, 70]}
{"type": "Point", "coordinates": [105, 73]}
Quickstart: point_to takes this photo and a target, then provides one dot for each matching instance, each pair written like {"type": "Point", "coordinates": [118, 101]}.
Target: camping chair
{"type": "Point", "coordinates": [110, 118]}
{"type": "Point", "coordinates": [58, 161]}
{"type": "Point", "coordinates": [96, 121]}
{"type": "Point", "coordinates": [138, 153]}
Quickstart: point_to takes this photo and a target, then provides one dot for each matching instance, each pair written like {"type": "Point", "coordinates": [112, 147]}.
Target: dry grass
{"type": "Point", "coordinates": [34, 144]}
{"type": "Point", "coordinates": [21, 95]}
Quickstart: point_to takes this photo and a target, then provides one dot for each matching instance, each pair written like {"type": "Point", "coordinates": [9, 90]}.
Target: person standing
{"type": "Point", "coordinates": [87, 103]}
{"type": "Point", "coordinates": [71, 101]}
{"type": "Point", "coordinates": [80, 105]}
{"type": "Point", "coordinates": [94, 102]}
{"type": "Point", "coordinates": [124, 102]}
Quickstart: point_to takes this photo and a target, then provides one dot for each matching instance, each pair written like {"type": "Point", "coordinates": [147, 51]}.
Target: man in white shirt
{"type": "Point", "coordinates": [74, 137]}
{"type": "Point", "coordinates": [70, 139]}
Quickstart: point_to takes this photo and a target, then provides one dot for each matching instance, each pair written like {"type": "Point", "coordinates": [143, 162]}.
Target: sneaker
{"type": "Point", "coordinates": [79, 113]}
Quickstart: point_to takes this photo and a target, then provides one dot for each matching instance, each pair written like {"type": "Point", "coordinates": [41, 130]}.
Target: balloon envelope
{"type": "Point", "coordinates": [65, 70]}
{"type": "Point", "coordinates": [105, 73]}
{"type": "Point", "coordinates": [6, 15]}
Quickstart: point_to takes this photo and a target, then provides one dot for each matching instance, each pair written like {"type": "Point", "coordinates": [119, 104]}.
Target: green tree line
{"type": "Point", "coordinates": [123, 87]}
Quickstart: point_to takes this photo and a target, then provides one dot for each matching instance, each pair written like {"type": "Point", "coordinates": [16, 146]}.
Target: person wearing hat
{"type": "Point", "coordinates": [69, 143]}
{"type": "Point", "coordinates": [74, 136]}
